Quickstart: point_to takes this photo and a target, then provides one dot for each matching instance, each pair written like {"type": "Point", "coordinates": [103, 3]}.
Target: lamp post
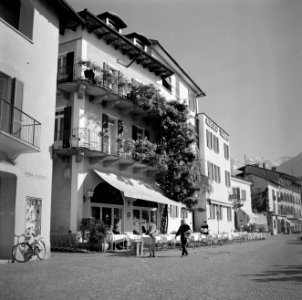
{"type": "Point", "coordinates": [89, 195]}
{"type": "Point", "coordinates": [218, 216]}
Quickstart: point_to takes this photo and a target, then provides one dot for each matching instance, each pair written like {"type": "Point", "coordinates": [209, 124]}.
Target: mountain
{"type": "Point", "coordinates": [269, 163]}
{"type": "Point", "coordinates": [292, 166]}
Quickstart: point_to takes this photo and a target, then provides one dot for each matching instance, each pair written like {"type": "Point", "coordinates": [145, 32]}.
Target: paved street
{"type": "Point", "coordinates": [270, 269]}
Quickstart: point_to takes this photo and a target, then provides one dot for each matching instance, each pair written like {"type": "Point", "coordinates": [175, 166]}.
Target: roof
{"type": "Point", "coordinates": [114, 17]}
{"type": "Point", "coordinates": [140, 37]}
{"type": "Point", "coordinates": [241, 179]}
{"type": "Point", "coordinates": [68, 18]}
{"type": "Point", "coordinates": [156, 42]}
{"type": "Point", "coordinates": [269, 174]}
{"type": "Point", "coordinates": [123, 44]}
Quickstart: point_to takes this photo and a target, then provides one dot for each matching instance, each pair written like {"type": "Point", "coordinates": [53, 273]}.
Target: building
{"type": "Point", "coordinates": [215, 208]}
{"type": "Point", "coordinates": [29, 33]}
{"type": "Point", "coordinates": [245, 218]}
{"type": "Point", "coordinates": [276, 194]}
{"type": "Point", "coordinates": [98, 126]}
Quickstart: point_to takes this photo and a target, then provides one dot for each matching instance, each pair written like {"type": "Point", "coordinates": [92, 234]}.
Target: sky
{"type": "Point", "coordinates": [246, 55]}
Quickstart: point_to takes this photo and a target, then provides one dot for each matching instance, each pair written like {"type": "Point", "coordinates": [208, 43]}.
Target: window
{"type": "Point", "coordinates": [215, 143]}
{"type": "Point", "coordinates": [192, 103]}
{"type": "Point", "coordinates": [11, 91]}
{"type": "Point", "coordinates": [209, 139]}
{"type": "Point", "coordinates": [139, 133]}
{"type": "Point", "coordinates": [139, 44]}
{"type": "Point", "coordinates": [243, 195]}
{"type": "Point", "coordinates": [19, 14]}
{"type": "Point", "coordinates": [212, 141]}
{"type": "Point", "coordinates": [59, 125]}
{"type": "Point", "coordinates": [174, 211]}
{"type": "Point", "coordinates": [226, 151]}
{"type": "Point", "coordinates": [227, 178]}
{"type": "Point", "coordinates": [184, 213]}
{"type": "Point", "coordinates": [167, 83]}
{"type": "Point", "coordinates": [229, 214]}
{"type": "Point", "coordinates": [112, 25]}
{"type": "Point", "coordinates": [177, 88]}
{"type": "Point", "coordinates": [65, 67]}
{"type": "Point", "coordinates": [213, 172]}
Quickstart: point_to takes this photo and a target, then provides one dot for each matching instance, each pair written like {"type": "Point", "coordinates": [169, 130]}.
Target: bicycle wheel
{"type": "Point", "coordinates": [40, 250]}
{"type": "Point", "coordinates": [22, 252]}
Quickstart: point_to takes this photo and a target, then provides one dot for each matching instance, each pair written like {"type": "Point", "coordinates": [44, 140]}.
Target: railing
{"type": "Point", "coordinates": [142, 151]}
{"type": "Point", "coordinates": [19, 124]}
{"type": "Point", "coordinates": [89, 139]}
{"type": "Point", "coordinates": [64, 75]}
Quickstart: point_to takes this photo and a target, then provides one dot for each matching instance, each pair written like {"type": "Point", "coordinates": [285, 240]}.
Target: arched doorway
{"type": "Point", "coordinates": [107, 204]}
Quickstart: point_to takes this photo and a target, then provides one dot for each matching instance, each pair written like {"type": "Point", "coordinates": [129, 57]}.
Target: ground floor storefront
{"type": "Point", "coordinates": [123, 201]}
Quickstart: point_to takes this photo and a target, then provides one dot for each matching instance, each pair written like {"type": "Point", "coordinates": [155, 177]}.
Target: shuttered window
{"type": "Point", "coordinates": [67, 127]}
{"type": "Point", "coordinates": [69, 65]}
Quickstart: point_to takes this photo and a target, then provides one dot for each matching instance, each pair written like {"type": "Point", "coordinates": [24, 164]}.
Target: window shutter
{"type": "Point", "coordinates": [105, 120]}
{"type": "Point", "coordinates": [67, 127]}
{"type": "Point", "coordinates": [69, 65]}
{"type": "Point", "coordinates": [177, 89]}
{"type": "Point", "coordinates": [120, 128]}
{"type": "Point", "coordinates": [134, 132]}
{"type": "Point", "coordinates": [147, 134]}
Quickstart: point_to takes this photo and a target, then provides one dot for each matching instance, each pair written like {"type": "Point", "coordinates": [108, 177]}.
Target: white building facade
{"type": "Point", "coordinates": [215, 208]}
{"type": "Point", "coordinates": [27, 106]}
{"type": "Point", "coordinates": [94, 177]}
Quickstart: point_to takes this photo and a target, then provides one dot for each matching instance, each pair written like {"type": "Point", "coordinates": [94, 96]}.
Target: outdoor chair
{"type": "Point", "coordinates": [203, 240]}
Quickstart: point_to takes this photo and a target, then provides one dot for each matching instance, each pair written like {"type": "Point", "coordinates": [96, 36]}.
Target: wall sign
{"type": "Point", "coordinates": [211, 124]}
{"type": "Point", "coordinates": [224, 135]}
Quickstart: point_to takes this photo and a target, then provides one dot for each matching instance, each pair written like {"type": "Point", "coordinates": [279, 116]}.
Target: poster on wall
{"type": "Point", "coordinates": [33, 214]}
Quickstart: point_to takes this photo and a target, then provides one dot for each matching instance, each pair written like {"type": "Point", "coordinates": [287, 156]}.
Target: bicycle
{"type": "Point", "coordinates": [31, 245]}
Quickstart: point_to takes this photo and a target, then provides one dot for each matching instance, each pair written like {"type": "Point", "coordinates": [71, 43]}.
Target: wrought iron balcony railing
{"type": "Point", "coordinates": [19, 124]}
{"type": "Point", "coordinates": [142, 151]}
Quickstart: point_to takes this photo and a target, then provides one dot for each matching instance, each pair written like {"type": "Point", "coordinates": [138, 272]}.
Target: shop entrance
{"type": "Point", "coordinates": [107, 205]}
{"type": "Point", "coordinates": [8, 185]}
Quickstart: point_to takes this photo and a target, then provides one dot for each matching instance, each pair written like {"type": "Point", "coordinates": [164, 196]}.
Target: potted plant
{"type": "Point", "coordinates": [93, 232]}
{"type": "Point", "coordinates": [90, 68]}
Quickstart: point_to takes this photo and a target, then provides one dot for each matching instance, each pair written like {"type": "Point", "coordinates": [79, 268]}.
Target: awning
{"type": "Point", "coordinates": [220, 203]}
{"type": "Point", "coordinates": [136, 188]}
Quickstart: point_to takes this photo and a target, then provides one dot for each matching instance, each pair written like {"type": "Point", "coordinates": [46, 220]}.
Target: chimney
{"type": "Point", "coordinates": [274, 169]}
{"type": "Point", "coordinates": [264, 165]}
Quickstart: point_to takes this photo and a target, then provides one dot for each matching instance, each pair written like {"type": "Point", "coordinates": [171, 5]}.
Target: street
{"type": "Point", "coordinates": [267, 269]}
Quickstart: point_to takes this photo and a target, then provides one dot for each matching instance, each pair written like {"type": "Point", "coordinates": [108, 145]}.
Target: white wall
{"type": "Point", "coordinates": [34, 63]}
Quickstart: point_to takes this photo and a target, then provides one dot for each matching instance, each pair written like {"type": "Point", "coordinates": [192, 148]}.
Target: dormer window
{"type": "Point", "coordinates": [139, 44]}
{"type": "Point", "coordinates": [111, 24]}
{"type": "Point", "coordinates": [113, 21]}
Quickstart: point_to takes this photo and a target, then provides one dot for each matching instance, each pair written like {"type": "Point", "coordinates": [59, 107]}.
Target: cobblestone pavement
{"type": "Point", "coordinates": [269, 269]}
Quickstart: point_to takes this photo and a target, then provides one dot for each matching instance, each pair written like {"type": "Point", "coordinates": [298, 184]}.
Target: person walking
{"type": "Point", "coordinates": [152, 232]}
{"type": "Point", "coordinates": [184, 231]}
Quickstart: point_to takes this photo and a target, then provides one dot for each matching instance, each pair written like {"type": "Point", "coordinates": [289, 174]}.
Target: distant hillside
{"type": "Point", "coordinates": [292, 166]}
{"type": "Point", "coordinates": [269, 163]}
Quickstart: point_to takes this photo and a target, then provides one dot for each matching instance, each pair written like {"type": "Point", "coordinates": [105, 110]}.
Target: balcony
{"type": "Point", "coordinates": [110, 151]}
{"type": "Point", "coordinates": [19, 133]}
{"type": "Point", "coordinates": [104, 87]}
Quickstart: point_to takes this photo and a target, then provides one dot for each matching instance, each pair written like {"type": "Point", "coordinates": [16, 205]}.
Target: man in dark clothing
{"type": "Point", "coordinates": [184, 232]}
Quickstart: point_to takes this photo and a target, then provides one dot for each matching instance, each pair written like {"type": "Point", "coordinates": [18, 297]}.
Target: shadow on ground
{"type": "Point", "coordinates": [284, 273]}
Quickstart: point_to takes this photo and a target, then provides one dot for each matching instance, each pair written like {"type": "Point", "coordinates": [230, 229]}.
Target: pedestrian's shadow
{"type": "Point", "coordinates": [289, 273]}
